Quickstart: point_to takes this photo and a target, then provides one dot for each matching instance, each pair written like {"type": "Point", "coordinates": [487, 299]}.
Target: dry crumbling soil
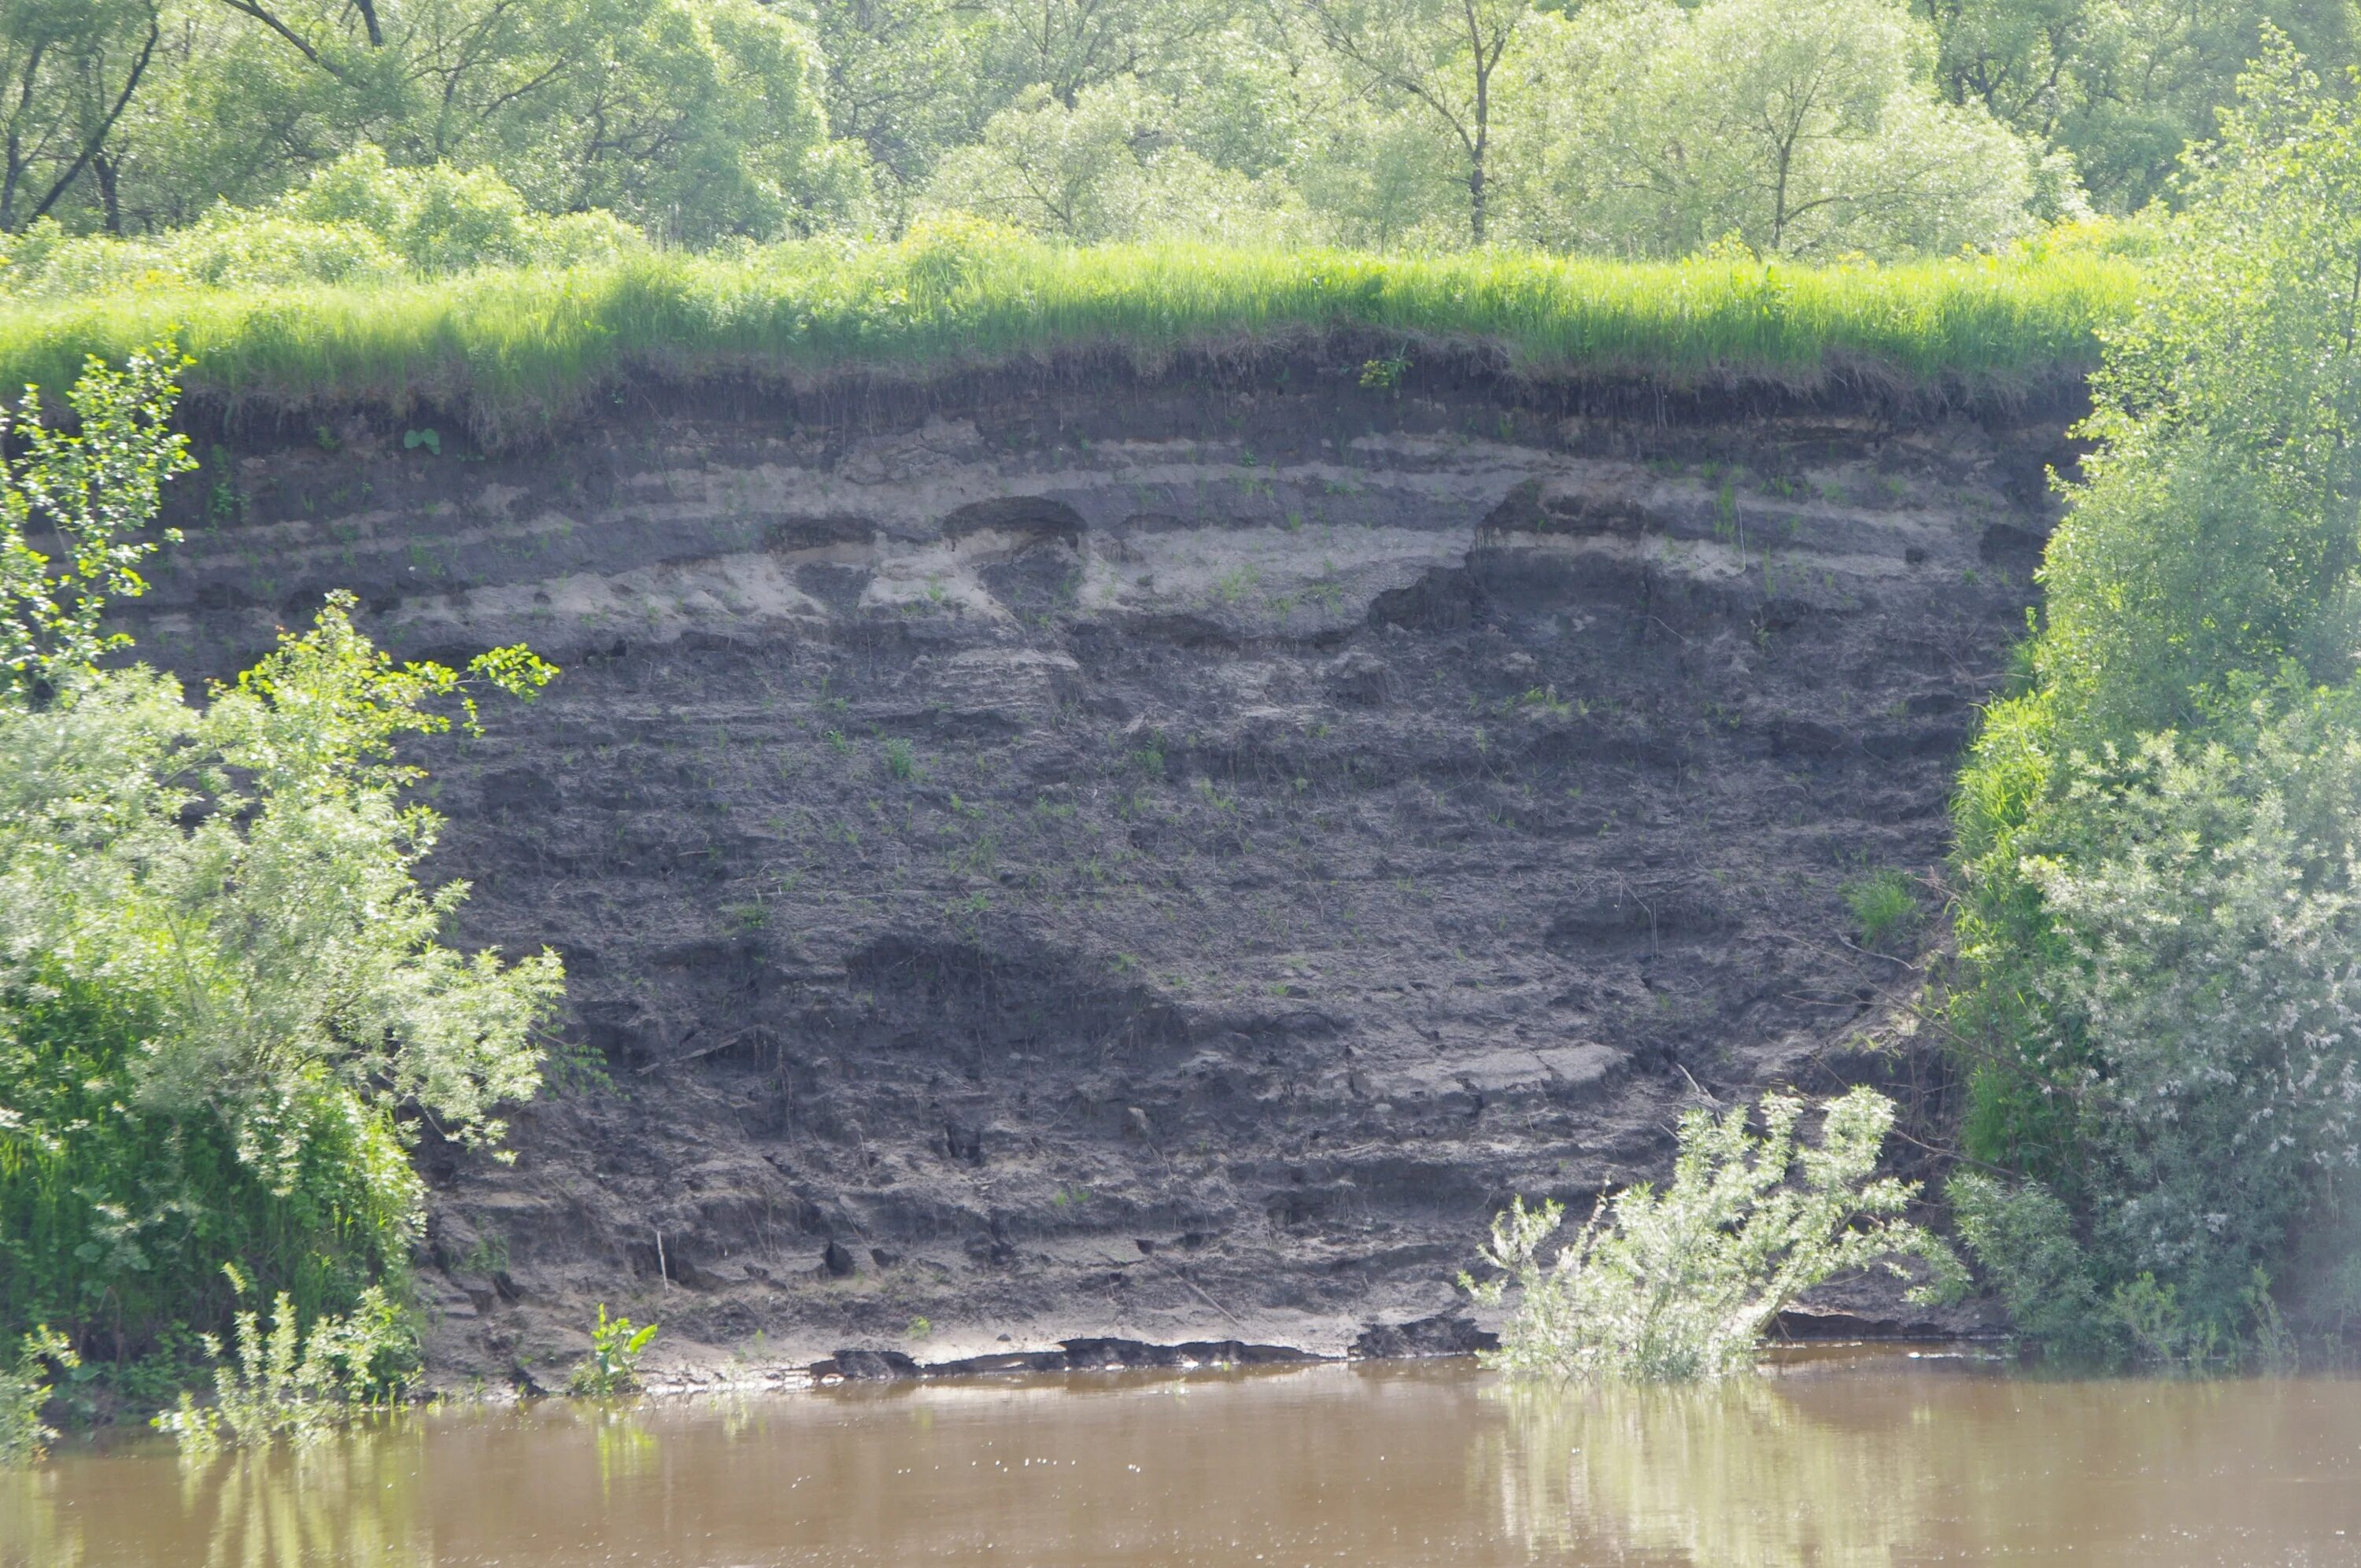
{"type": "Point", "coordinates": [1143, 857]}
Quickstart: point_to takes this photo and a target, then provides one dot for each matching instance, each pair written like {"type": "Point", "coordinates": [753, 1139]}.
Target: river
{"type": "Point", "coordinates": [1854, 1458]}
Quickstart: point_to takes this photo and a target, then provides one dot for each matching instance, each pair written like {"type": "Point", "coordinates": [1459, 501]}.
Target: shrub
{"type": "Point", "coordinates": [1680, 1285]}
{"type": "Point", "coordinates": [220, 981]}
{"type": "Point", "coordinates": [297, 1386]}
{"type": "Point", "coordinates": [94, 488]}
{"type": "Point", "coordinates": [24, 1390]}
{"type": "Point", "coordinates": [357, 222]}
{"type": "Point", "coordinates": [2196, 1006]}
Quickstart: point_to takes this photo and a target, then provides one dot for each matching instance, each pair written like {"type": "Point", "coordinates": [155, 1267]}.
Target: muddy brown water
{"type": "Point", "coordinates": [1860, 1459]}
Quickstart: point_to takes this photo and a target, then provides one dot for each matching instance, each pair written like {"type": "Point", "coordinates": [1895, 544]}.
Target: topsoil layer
{"type": "Point", "coordinates": [1152, 858]}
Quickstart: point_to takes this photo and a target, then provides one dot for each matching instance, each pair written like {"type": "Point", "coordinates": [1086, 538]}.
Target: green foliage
{"type": "Point", "coordinates": [613, 1365]}
{"type": "Point", "coordinates": [1680, 1285]}
{"type": "Point", "coordinates": [357, 223]}
{"type": "Point", "coordinates": [221, 987]}
{"type": "Point", "coordinates": [25, 1389]}
{"type": "Point", "coordinates": [1797, 127]}
{"type": "Point", "coordinates": [2157, 840]}
{"type": "Point", "coordinates": [1100, 168]}
{"type": "Point", "coordinates": [2188, 981]}
{"type": "Point", "coordinates": [2117, 90]}
{"type": "Point", "coordinates": [693, 118]}
{"type": "Point", "coordinates": [2025, 1238]}
{"type": "Point", "coordinates": [521, 348]}
{"type": "Point", "coordinates": [1885, 909]}
{"type": "Point", "coordinates": [223, 981]}
{"type": "Point", "coordinates": [115, 1215]}
{"type": "Point", "coordinates": [94, 487]}
{"type": "Point", "coordinates": [2213, 530]}
{"type": "Point", "coordinates": [297, 1384]}
{"type": "Point", "coordinates": [204, 131]}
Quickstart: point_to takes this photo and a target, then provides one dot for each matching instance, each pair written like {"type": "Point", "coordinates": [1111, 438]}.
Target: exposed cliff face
{"type": "Point", "coordinates": [1139, 859]}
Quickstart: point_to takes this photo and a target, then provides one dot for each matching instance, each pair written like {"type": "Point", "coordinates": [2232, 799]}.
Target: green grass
{"type": "Point", "coordinates": [518, 350]}
{"type": "Point", "coordinates": [1883, 907]}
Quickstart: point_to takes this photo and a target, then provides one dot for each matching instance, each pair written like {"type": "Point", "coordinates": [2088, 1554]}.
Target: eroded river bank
{"type": "Point", "coordinates": [1836, 1457]}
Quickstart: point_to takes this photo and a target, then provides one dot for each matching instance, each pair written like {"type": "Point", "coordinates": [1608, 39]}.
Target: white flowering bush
{"type": "Point", "coordinates": [1680, 1283]}
{"type": "Point", "coordinates": [2202, 1004]}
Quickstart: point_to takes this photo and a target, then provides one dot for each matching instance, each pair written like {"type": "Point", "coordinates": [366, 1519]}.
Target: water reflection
{"type": "Point", "coordinates": [1740, 1474]}
{"type": "Point", "coordinates": [1885, 1461]}
{"type": "Point", "coordinates": [1930, 1463]}
{"type": "Point", "coordinates": [354, 1501]}
{"type": "Point", "coordinates": [30, 1529]}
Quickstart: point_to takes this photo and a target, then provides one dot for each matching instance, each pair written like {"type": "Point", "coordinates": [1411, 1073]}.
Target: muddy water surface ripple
{"type": "Point", "coordinates": [1835, 1461]}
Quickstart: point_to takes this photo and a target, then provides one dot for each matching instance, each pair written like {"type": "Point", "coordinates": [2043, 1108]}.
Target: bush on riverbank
{"type": "Point", "coordinates": [2160, 841]}
{"type": "Point", "coordinates": [221, 987]}
{"type": "Point", "coordinates": [1680, 1285]}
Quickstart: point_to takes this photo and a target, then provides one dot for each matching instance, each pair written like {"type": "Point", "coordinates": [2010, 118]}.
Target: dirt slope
{"type": "Point", "coordinates": [1150, 857]}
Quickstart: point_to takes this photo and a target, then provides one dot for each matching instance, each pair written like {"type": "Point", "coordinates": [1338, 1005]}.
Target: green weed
{"type": "Point", "coordinates": [24, 1390]}
{"type": "Point", "coordinates": [1885, 908]}
{"type": "Point", "coordinates": [613, 1365]}
{"type": "Point", "coordinates": [297, 1384]}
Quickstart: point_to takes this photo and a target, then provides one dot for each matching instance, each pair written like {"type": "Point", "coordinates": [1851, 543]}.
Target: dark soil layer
{"type": "Point", "coordinates": [1144, 860]}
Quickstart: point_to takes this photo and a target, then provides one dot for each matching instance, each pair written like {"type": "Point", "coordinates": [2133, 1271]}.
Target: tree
{"type": "Point", "coordinates": [1803, 128]}
{"type": "Point", "coordinates": [1068, 46]}
{"type": "Point", "coordinates": [2158, 840]}
{"type": "Point", "coordinates": [2119, 88]}
{"type": "Point", "coordinates": [697, 117]}
{"type": "Point", "coordinates": [1105, 169]}
{"type": "Point", "coordinates": [1441, 56]}
{"type": "Point", "coordinates": [68, 71]}
{"type": "Point", "coordinates": [2214, 530]}
{"type": "Point", "coordinates": [905, 82]}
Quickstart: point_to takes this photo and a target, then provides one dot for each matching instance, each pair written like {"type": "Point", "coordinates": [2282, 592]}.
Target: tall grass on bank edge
{"type": "Point", "coordinates": [519, 349]}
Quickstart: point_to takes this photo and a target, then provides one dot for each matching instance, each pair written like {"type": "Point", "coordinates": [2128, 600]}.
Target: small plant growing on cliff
{"type": "Point", "coordinates": [613, 1365]}
{"type": "Point", "coordinates": [24, 1390]}
{"type": "Point", "coordinates": [93, 486]}
{"type": "Point", "coordinates": [1680, 1285]}
{"type": "Point", "coordinates": [1883, 908]}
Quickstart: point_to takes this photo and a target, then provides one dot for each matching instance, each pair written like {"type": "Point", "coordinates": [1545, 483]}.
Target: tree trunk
{"type": "Point", "coordinates": [109, 197]}
{"type": "Point", "coordinates": [1476, 192]}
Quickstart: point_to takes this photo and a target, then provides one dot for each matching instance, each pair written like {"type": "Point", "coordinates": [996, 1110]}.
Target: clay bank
{"type": "Point", "coordinates": [1072, 859]}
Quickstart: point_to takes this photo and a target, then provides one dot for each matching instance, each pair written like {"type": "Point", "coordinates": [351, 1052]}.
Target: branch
{"type": "Point", "coordinates": [90, 147]}
{"type": "Point", "coordinates": [253, 8]}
